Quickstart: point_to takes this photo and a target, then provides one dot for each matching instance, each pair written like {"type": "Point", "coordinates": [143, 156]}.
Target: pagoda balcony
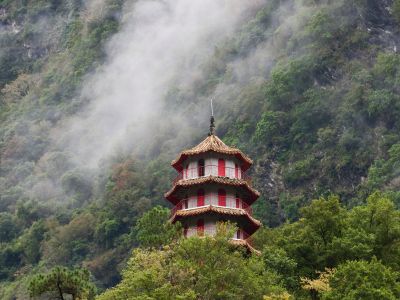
{"type": "Point", "coordinates": [211, 230]}
{"type": "Point", "coordinates": [212, 170]}
{"type": "Point", "coordinates": [212, 200]}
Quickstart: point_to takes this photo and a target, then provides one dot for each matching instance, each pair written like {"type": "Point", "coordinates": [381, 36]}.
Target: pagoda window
{"type": "Point", "coordinates": [221, 197]}
{"type": "Point", "coordinates": [211, 166]}
{"type": "Point", "coordinates": [200, 197]}
{"type": "Point", "coordinates": [221, 167]}
{"type": "Point", "coordinates": [200, 168]}
{"type": "Point", "coordinates": [192, 170]}
{"type": "Point", "coordinates": [186, 176]}
{"type": "Point", "coordinates": [238, 234]}
{"type": "Point", "coordinates": [200, 227]}
{"type": "Point", "coordinates": [229, 169]}
{"type": "Point", "coordinates": [185, 202]}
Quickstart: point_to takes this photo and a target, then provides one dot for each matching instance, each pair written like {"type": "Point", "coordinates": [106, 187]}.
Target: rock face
{"type": "Point", "coordinates": [381, 26]}
{"type": "Point", "coordinates": [268, 180]}
{"type": "Point", "coordinates": [308, 88]}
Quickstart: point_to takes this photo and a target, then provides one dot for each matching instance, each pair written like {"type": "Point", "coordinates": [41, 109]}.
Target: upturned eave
{"type": "Point", "coordinates": [170, 195]}
{"type": "Point", "coordinates": [238, 212]}
{"type": "Point", "coordinates": [212, 144]}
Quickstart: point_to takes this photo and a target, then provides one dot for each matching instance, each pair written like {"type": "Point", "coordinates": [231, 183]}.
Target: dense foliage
{"type": "Point", "coordinates": [194, 269]}
{"type": "Point", "coordinates": [61, 282]}
{"type": "Point", "coordinates": [319, 112]}
{"type": "Point", "coordinates": [359, 248]}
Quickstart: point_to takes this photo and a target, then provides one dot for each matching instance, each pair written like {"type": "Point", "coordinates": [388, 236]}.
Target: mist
{"type": "Point", "coordinates": [161, 44]}
{"type": "Point", "coordinates": [145, 98]}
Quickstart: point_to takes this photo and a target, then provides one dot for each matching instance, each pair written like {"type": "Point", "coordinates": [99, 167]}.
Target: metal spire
{"type": "Point", "coordinates": [212, 125]}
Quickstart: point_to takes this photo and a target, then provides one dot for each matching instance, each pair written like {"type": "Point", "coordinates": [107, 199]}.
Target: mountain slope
{"type": "Point", "coordinates": [309, 89]}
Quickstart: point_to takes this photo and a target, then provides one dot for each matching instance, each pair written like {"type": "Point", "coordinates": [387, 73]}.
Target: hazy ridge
{"type": "Point", "coordinates": [98, 96]}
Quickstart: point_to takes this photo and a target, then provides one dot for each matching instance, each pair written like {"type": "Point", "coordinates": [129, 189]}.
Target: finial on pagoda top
{"type": "Point", "coordinates": [212, 125]}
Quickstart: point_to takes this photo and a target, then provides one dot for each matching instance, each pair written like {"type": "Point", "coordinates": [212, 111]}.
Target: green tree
{"type": "Point", "coordinates": [10, 260]}
{"type": "Point", "coordinates": [363, 280]}
{"type": "Point", "coordinates": [71, 242]}
{"type": "Point", "coordinates": [276, 260]}
{"type": "Point", "coordinates": [195, 268]}
{"type": "Point", "coordinates": [8, 227]}
{"type": "Point", "coordinates": [60, 282]}
{"type": "Point", "coordinates": [31, 242]}
{"type": "Point", "coordinates": [381, 221]}
{"type": "Point", "coordinates": [327, 235]}
{"type": "Point", "coordinates": [154, 230]}
{"type": "Point", "coordinates": [310, 241]}
{"type": "Point", "coordinates": [323, 218]}
{"type": "Point", "coordinates": [106, 231]}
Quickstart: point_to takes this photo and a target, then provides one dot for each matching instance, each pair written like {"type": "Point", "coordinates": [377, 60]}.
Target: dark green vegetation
{"type": "Point", "coordinates": [321, 118]}
{"type": "Point", "coordinates": [360, 247]}
{"type": "Point", "coordinates": [61, 282]}
{"type": "Point", "coordinates": [194, 269]}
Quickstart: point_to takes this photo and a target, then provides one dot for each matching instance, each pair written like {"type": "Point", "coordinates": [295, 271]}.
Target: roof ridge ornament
{"type": "Point", "coordinates": [212, 120]}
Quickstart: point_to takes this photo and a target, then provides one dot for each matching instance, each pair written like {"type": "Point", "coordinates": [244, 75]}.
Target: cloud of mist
{"type": "Point", "coordinates": [162, 47]}
{"type": "Point", "coordinates": [161, 44]}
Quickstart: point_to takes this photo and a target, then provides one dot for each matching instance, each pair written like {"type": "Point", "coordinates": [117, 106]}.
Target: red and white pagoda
{"type": "Point", "coordinates": [212, 186]}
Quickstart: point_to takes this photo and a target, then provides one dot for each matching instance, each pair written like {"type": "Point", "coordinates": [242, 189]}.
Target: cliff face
{"type": "Point", "coordinates": [310, 89]}
{"type": "Point", "coordinates": [324, 125]}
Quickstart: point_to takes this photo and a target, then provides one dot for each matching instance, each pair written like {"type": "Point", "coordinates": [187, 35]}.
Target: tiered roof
{"type": "Point", "coordinates": [254, 223]}
{"type": "Point", "coordinates": [171, 194]}
{"type": "Point", "coordinates": [212, 144]}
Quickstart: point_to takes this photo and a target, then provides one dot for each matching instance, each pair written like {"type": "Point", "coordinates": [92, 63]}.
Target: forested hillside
{"type": "Point", "coordinates": [98, 96]}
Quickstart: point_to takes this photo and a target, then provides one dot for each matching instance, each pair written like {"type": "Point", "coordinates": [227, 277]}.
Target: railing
{"type": "Point", "coordinates": [211, 229]}
{"type": "Point", "coordinates": [212, 170]}
{"type": "Point", "coordinates": [212, 199]}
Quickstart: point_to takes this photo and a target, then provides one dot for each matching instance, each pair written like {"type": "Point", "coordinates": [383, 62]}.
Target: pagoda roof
{"type": "Point", "coordinates": [245, 244]}
{"type": "Point", "coordinates": [254, 223]}
{"type": "Point", "coordinates": [212, 143]}
{"type": "Point", "coordinates": [210, 179]}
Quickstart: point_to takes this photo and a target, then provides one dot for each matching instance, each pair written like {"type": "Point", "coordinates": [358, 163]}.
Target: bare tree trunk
{"type": "Point", "coordinates": [59, 290]}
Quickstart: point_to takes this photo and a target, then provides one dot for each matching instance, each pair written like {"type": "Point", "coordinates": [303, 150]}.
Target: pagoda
{"type": "Point", "coordinates": [212, 186]}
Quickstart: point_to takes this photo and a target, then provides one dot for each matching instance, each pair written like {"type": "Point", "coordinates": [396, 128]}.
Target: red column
{"type": "Point", "coordinates": [200, 227]}
{"type": "Point", "coordinates": [221, 167]}
{"type": "Point", "coordinates": [221, 197]}
{"type": "Point", "coordinates": [200, 197]}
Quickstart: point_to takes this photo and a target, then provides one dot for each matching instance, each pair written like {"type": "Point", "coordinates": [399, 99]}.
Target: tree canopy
{"type": "Point", "coordinates": [61, 282]}
{"type": "Point", "coordinates": [195, 268]}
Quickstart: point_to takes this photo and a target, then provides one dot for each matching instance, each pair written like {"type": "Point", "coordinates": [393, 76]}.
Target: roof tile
{"type": "Point", "coordinates": [217, 209]}
{"type": "Point", "coordinates": [212, 143]}
{"type": "Point", "coordinates": [212, 179]}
